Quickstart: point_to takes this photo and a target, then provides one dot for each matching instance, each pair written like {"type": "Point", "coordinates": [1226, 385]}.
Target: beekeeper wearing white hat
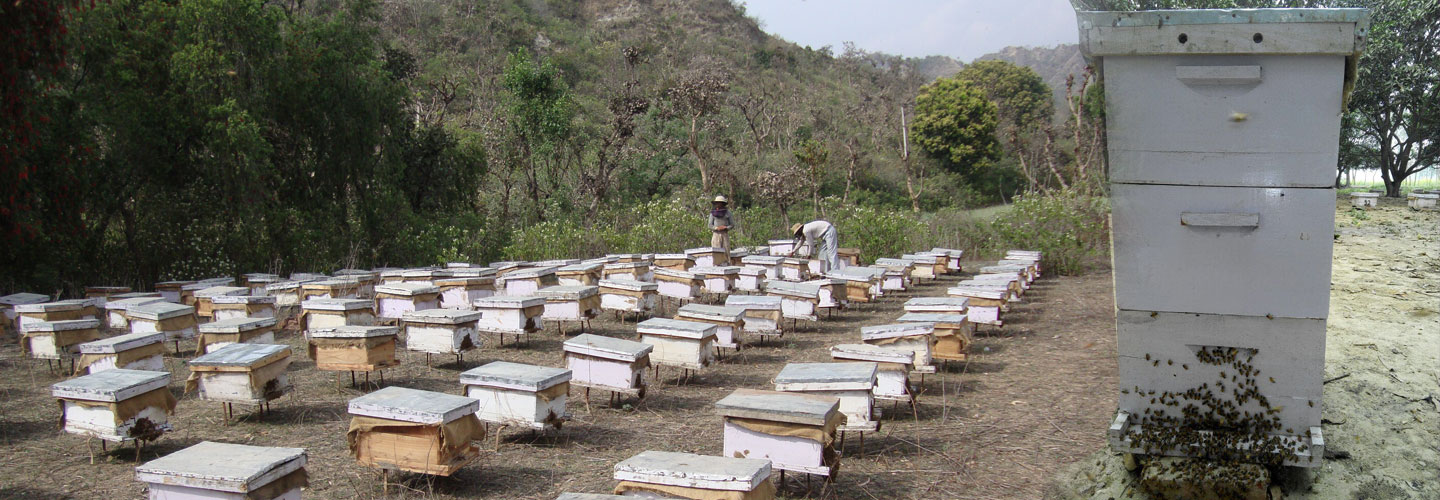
{"type": "Point", "coordinates": [721, 222]}
{"type": "Point", "coordinates": [822, 240]}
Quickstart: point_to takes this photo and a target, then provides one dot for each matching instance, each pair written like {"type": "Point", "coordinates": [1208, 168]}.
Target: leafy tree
{"type": "Point", "coordinates": [696, 97]}
{"type": "Point", "coordinates": [1021, 97]}
{"type": "Point", "coordinates": [813, 157]}
{"type": "Point", "coordinates": [955, 124]}
{"type": "Point", "coordinates": [542, 110]}
{"type": "Point", "coordinates": [1396, 101]}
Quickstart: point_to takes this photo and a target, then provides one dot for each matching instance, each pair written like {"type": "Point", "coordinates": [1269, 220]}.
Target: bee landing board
{"type": "Point", "coordinates": [663, 474]}
{"type": "Point", "coordinates": [507, 314]}
{"type": "Point", "coordinates": [442, 331]}
{"type": "Point", "coordinates": [794, 431]}
{"type": "Point", "coordinates": [116, 405]}
{"type": "Point", "coordinates": [241, 373]}
{"type": "Point", "coordinates": [608, 363]}
{"type": "Point", "coordinates": [678, 343]}
{"type": "Point", "coordinates": [517, 394]}
{"type": "Point", "coordinates": [852, 382]}
{"type": "Point", "coordinates": [223, 471]}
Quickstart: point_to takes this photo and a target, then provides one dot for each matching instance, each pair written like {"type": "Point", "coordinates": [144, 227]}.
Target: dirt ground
{"type": "Point", "coordinates": [1036, 396]}
{"type": "Point", "coordinates": [1382, 363]}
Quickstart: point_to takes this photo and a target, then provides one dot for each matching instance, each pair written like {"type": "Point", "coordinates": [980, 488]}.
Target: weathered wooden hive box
{"type": "Point", "coordinates": [187, 292]}
{"type": "Point", "coordinates": [330, 313]}
{"type": "Point", "coordinates": [1023, 270]}
{"type": "Point", "coordinates": [912, 337]}
{"type": "Point", "coordinates": [608, 363]}
{"type": "Point", "coordinates": [942, 261]}
{"type": "Point", "coordinates": [509, 314]}
{"type": "Point", "coordinates": [1011, 283]}
{"type": "Point", "coordinates": [770, 263]}
{"type": "Point", "coordinates": [116, 405]}
{"type": "Point", "coordinates": [628, 295]}
{"type": "Point", "coordinates": [728, 321]}
{"type": "Point", "coordinates": [217, 334]}
{"type": "Point", "coordinates": [517, 394]}
{"type": "Point", "coordinates": [131, 351]}
{"type": "Point", "coordinates": [241, 373]}
{"type": "Point", "coordinates": [171, 289]}
{"type": "Point", "coordinates": [526, 282]}
{"type": "Point", "coordinates": [461, 292]}
{"type": "Point", "coordinates": [1222, 221]}
{"type": "Point", "coordinates": [1422, 201]}
{"type": "Point", "coordinates": [664, 474]}
{"type": "Point", "coordinates": [862, 284]}
{"type": "Point", "coordinates": [678, 343]}
{"type": "Point", "coordinates": [224, 471]}
{"type": "Point", "coordinates": [570, 303]}
{"type": "Point", "coordinates": [674, 261]}
{"type": "Point", "coordinates": [242, 306]}
{"type": "Point", "coordinates": [1362, 199]}
{"type": "Point", "coordinates": [176, 321]}
{"type": "Point", "coordinates": [983, 303]}
{"type": "Point", "coordinates": [63, 310]}
{"type": "Point", "coordinates": [1029, 257]}
{"type": "Point", "coordinates": [893, 367]}
{"type": "Point", "coordinates": [951, 333]}
{"type": "Point", "coordinates": [927, 265]}
{"type": "Point", "coordinates": [633, 257]}
{"type": "Point", "coordinates": [794, 431]}
{"type": "Point", "coordinates": [333, 288]}
{"type": "Point", "coordinates": [751, 278]}
{"type": "Point", "coordinates": [717, 279]}
{"type": "Point", "coordinates": [683, 285]}
{"type": "Point", "coordinates": [834, 292]}
{"type": "Point", "coordinates": [393, 300]}
{"type": "Point", "coordinates": [847, 257]}
{"type": "Point", "coordinates": [59, 339]}
{"type": "Point", "coordinates": [415, 431]}
{"type": "Point", "coordinates": [797, 300]}
{"type": "Point", "coordinates": [204, 299]}
{"type": "Point", "coordinates": [793, 269]}
{"type": "Point", "coordinates": [391, 275]}
{"type": "Point", "coordinates": [582, 274]}
{"type": "Point", "coordinates": [852, 382]}
{"type": "Point", "coordinates": [102, 294]}
{"type": "Point", "coordinates": [354, 348]}
{"type": "Point", "coordinates": [896, 275]}
{"type": "Point", "coordinates": [442, 331]}
{"type": "Point", "coordinates": [952, 257]}
{"type": "Point", "coordinates": [287, 296]}
{"type": "Point", "coordinates": [780, 248]}
{"type": "Point", "coordinates": [739, 253]}
{"type": "Point", "coordinates": [257, 282]}
{"type": "Point", "coordinates": [1032, 267]}
{"type": "Point", "coordinates": [11, 321]}
{"type": "Point", "coordinates": [709, 256]}
{"type": "Point", "coordinates": [365, 281]}
{"type": "Point", "coordinates": [424, 275]}
{"type": "Point", "coordinates": [762, 312]}
{"type": "Point", "coordinates": [634, 271]}
{"type": "Point", "coordinates": [117, 310]}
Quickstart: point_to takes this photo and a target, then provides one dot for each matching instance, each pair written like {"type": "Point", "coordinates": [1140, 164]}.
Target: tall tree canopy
{"type": "Point", "coordinates": [1021, 97]}
{"type": "Point", "coordinates": [956, 124]}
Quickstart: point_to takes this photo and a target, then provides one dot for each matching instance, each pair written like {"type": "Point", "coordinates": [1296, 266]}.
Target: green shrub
{"type": "Point", "coordinates": [1069, 228]}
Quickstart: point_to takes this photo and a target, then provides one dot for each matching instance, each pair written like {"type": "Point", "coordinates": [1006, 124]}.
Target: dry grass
{"type": "Point", "coordinates": [1035, 397]}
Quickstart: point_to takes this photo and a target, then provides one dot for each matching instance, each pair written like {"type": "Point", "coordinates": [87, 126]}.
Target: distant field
{"type": "Point", "coordinates": [987, 213]}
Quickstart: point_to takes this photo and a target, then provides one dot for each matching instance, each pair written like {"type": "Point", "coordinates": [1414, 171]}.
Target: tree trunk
{"type": "Point", "coordinates": [694, 146]}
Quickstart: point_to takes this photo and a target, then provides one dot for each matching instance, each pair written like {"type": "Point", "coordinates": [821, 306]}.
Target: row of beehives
{"type": "Point", "coordinates": [1418, 199]}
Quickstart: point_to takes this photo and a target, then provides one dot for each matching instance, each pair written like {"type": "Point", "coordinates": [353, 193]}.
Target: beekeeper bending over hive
{"type": "Point", "coordinates": [820, 237]}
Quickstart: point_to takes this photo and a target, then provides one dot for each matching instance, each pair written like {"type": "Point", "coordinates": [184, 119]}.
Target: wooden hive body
{"type": "Point", "coordinates": [751, 278]}
{"type": "Point", "coordinates": [204, 298]}
{"type": "Point", "coordinates": [416, 431]}
{"type": "Point", "coordinates": [673, 261]}
{"type": "Point", "coordinates": [762, 313]}
{"type": "Point", "coordinates": [257, 282]}
{"type": "Point", "coordinates": [617, 294]}
{"type": "Point", "coordinates": [794, 431]}
{"type": "Point", "coordinates": [116, 405]}
{"type": "Point", "coordinates": [859, 287]}
{"type": "Point", "coordinates": [117, 310]}
{"type": "Point", "coordinates": [518, 394]}
{"type": "Point", "coordinates": [663, 474]}
{"type": "Point", "coordinates": [852, 382]}
{"type": "Point", "coordinates": [792, 269]}
{"type": "Point", "coordinates": [170, 290]}
{"type": "Point", "coordinates": [224, 471]}
{"type": "Point", "coordinates": [913, 337]}
{"type": "Point", "coordinates": [638, 270]}
{"type": "Point", "coordinates": [582, 274]}
{"type": "Point", "coordinates": [59, 339]}
{"type": "Point", "coordinates": [982, 304]}
{"type": "Point", "coordinates": [892, 378]}
{"type": "Point", "coordinates": [242, 306]}
{"type": "Point", "coordinates": [679, 343]}
{"type": "Point", "coordinates": [607, 363]}
{"type": "Point", "coordinates": [1422, 201]}
{"type": "Point", "coordinates": [932, 265]}
{"type": "Point", "coordinates": [709, 256]}
{"type": "Point", "coordinates": [217, 334]}
{"type": "Point", "coordinates": [241, 373]}
{"type": "Point", "coordinates": [526, 282]}
{"type": "Point", "coordinates": [461, 292]}
{"type": "Point", "coordinates": [187, 291]}
{"type": "Point", "coordinates": [393, 300]}
{"type": "Point", "coordinates": [510, 314]}
{"type": "Point", "coordinates": [442, 331]}
{"type": "Point", "coordinates": [951, 333]}
{"type": "Point", "coordinates": [286, 293]}
{"type": "Point", "coordinates": [333, 288]}
{"type": "Point", "coordinates": [570, 303]}
{"type": "Point", "coordinates": [330, 313]}
{"type": "Point", "coordinates": [797, 300]}
{"type": "Point", "coordinates": [771, 265]}
{"type": "Point", "coordinates": [131, 351]}
{"type": "Point", "coordinates": [63, 310]}
{"type": "Point", "coordinates": [728, 321]}
{"type": "Point", "coordinates": [717, 279]}
{"type": "Point", "coordinates": [176, 321]}
{"type": "Point", "coordinates": [354, 348]}
{"type": "Point", "coordinates": [679, 284]}
{"type": "Point", "coordinates": [780, 248]}
{"type": "Point", "coordinates": [832, 292]}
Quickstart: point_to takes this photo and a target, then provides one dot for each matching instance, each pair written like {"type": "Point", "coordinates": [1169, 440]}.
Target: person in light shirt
{"type": "Point", "coordinates": [721, 222]}
{"type": "Point", "coordinates": [822, 240]}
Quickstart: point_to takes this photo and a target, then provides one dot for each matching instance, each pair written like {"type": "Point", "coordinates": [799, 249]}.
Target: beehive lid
{"type": "Point", "coordinates": [754, 302]}
{"type": "Point", "coordinates": [258, 278]}
{"type": "Point", "coordinates": [425, 273]}
{"type": "Point", "coordinates": [632, 256]}
{"type": "Point", "coordinates": [135, 295]}
{"type": "Point", "coordinates": [703, 250]}
{"type": "Point", "coordinates": [676, 328]}
{"type": "Point", "coordinates": [531, 273]}
{"type": "Point", "coordinates": [156, 311]}
{"type": "Point", "coordinates": [930, 304]}
{"type": "Point", "coordinates": [694, 471]}
{"type": "Point", "coordinates": [216, 291]}
{"type": "Point", "coordinates": [458, 265]}
{"type": "Point", "coordinates": [441, 316]}
{"type": "Point", "coordinates": [827, 376]}
{"type": "Point", "coordinates": [930, 318]}
{"type": "Point", "coordinates": [794, 261]}
{"type": "Point", "coordinates": [792, 289]}
{"type": "Point", "coordinates": [63, 326]}
{"type": "Point", "coordinates": [600, 260]}
{"type": "Point", "coordinates": [674, 273]}
{"type": "Point", "coordinates": [328, 283]}
{"type": "Point", "coordinates": [413, 405]}
{"type": "Point", "coordinates": [111, 386]}
{"type": "Point", "coordinates": [284, 285]}
{"type": "Point", "coordinates": [740, 253]}
{"type": "Point", "coordinates": [243, 299]}
{"type": "Point", "coordinates": [752, 270]}
{"type": "Point", "coordinates": [716, 270]}
{"type": "Point", "coordinates": [122, 343]}
{"type": "Point", "coordinates": [568, 292]}
{"type": "Point", "coordinates": [303, 277]}
{"type": "Point", "coordinates": [236, 325]}
{"type": "Point", "coordinates": [23, 298]}
{"type": "Point", "coordinates": [851, 274]}
{"type": "Point", "coordinates": [714, 313]}
{"type": "Point", "coordinates": [949, 251]}
{"type": "Point", "coordinates": [760, 250]}
{"type": "Point", "coordinates": [673, 256]}
{"type": "Point", "coordinates": [590, 496]}
{"type": "Point", "coordinates": [335, 304]}
{"type": "Point", "coordinates": [583, 267]}
{"type": "Point", "coordinates": [473, 272]}
{"type": "Point", "coordinates": [824, 282]}
{"type": "Point", "coordinates": [517, 376]}
{"type": "Point", "coordinates": [1033, 253]}
{"type": "Point", "coordinates": [992, 293]}
{"type": "Point", "coordinates": [556, 263]}
{"type": "Point", "coordinates": [991, 278]}
{"type": "Point", "coordinates": [126, 304]}
{"type": "Point", "coordinates": [762, 260]}
{"type": "Point", "coordinates": [627, 265]}
{"type": "Point", "coordinates": [871, 271]}
{"type": "Point", "coordinates": [506, 265]}
{"type": "Point", "coordinates": [354, 332]}
{"type": "Point", "coordinates": [464, 281]}
{"type": "Point", "coordinates": [896, 330]}
{"type": "Point", "coordinates": [1141, 33]}
{"type": "Point", "coordinates": [243, 355]}
{"type": "Point", "coordinates": [406, 289]}
{"type": "Point", "coordinates": [208, 283]}
{"type": "Point", "coordinates": [234, 468]}
{"type": "Point", "coordinates": [775, 243]}
{"type": "Point", "coordinates": [1003, 269]}
{"type": "Point", "coordinates": [867, 352]}
{"type": "Point", "coordinates": [1016, 262]}
{"type": "Point", "coordinates": [1423, 196]}
{"type": "Point", "coordinates": [48, 307]}
{"type": "Point", "coordinates": [107, 290]}
{"type": "Point", "coordinates": [921, 257]}
{"type": "Point", "coordinates": [986, 284]}
{"type": "Point", "coordinates": [173, 284]}
{"type": "Point", "coordinates": [357, 274]}
{"type": "Point", "coordinates": [508, 302]}
{"type": "Point", "coordinates": [607, 347]}
{"type": "Point", "coordinates": [391, 272]}
{"type": "Point", "coordinates": [888, 262]}
{"type": "Point", "coordinates": [776, 406]}
{"type": "Point", "coordinates": [631, 285]}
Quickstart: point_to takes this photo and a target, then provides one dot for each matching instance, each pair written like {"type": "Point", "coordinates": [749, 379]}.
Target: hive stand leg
{"type": "Point", "coordinates": [842, 442]}
{"type": "Point", "coordinates": [587, 400]}
{"type": "Point", "coordinates": [88, 448]}
{"type": "Point", "coordinates": [862, 444]}
{"type": "Point", "coordinates": [138, 446]}
{"type": "Point", "coordinates": [352, 378]}
{"type": "Point", "coordinates": [367, 379]}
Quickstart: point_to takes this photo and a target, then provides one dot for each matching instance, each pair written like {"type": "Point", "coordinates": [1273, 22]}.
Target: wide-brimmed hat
{"type": "Point", "coordinates": [796, 228]}
{"type": "Point", "coordinates": [720, 199]}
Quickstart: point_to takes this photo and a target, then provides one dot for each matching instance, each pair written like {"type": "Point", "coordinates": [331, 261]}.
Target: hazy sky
{"type": "Point", "coordinates": [962, 29]}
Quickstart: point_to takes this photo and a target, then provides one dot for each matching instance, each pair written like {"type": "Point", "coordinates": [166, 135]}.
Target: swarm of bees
{"type": "Point", "coordinates": [1208, 423]}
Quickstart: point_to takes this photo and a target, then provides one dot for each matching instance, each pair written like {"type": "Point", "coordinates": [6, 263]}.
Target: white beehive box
{"type": "Point", "coordinates": [365, 281]}
{"type": "Point", "coordinates": [224, 471]}
{"type": "Point", "coordinates": [953, 305]}
{"type": "Point", "coordinates": [728, 321]}
{"type": "Point", "coordinates": [794, 431]}
{"type": "Point", "coordinates": [333, 288]}
{"type": "Point", "coordinates": [505, 314]}
{"type": "Point", "coordinates": [59, 339]}
{"type": "Point", "coordinates": [286, 293]}
{"type": "Point", "coordinates": [674, 261]}
{"type": "Point", "coordinates": [131, 351]}
{"type": "Point", "coordinates": [912, 337]}
{"type": "Point", "coordinates": [780, 248]}
{"type": "Point", "coordinates": [1222, 222]}
{"type": "Point", "coordinates": [982, 304]}
{"type": "Point", "coordinates": [846, 257]}
{"type": "Point", "coordinates": [679, 343]}
{"type": "Point", "coordinates": [415, 431]}
{"type": "Point", "coordinates": [1022, 269]}
{"type": "Point", "coordinates": [762, 312]}
{"type": "Point", "coordinates": [952, 257]}
{"type": "Point", "coordinates": [607, 363]}
{"type": "Point", "coordinates": [892, 378]}
{"type": "Point", "coordinates": [393, 300]}
{"type": "Point", "coordinates": [742, 252]}
{"type": "Point", "coordinates": [218, 334]}
{"type": "Point", "coordinates": [117, 310]}
{"type": "Point", "coordinates": [906, 266]}
{"type": "Point", "coordinates": [329, 313]}
{"type": "Point", "coordinates": [951, 333]}
{"type": "Point", "coordinates": [187, 291]}
{"type": "Point", "coordinates": [424, 275]}
{"type": "Point", "coordinates": [852, 382]}
{"type": "Point", "coordinates": [204, 298]}
{"type": "Point", "coordinates": [709, 256]}
{"type": "Point", "coordinates": [717, 280]}
{"type": "Point", "coordinates": [458, 292]}
{"type": "Point", "coordinates": [63, 310]}
{"type": "Point", "coordinates": [862, 285]}
{"type": "Point", "coordinates": [751, 278]}
{"type": "Point", "coordinates": [241, 373]}
{"type": "Point", "coordinates": [682, 285]}
{"type": "Point", "coordinates": [171, 289]}
{"type": "Point", "coordinates": [792, 269]}
{"type": "Point", "coordinates": [116, 405]}
{"type": "Point", "coordinates": [517, 394]}
{"type": "Point", "coordinates": [526, 282]}
{"type": "Point", "coordinates": [833, 293]}
{"type": "Point", "coordinates": [8, 303]}
{"type": "Point", "coordinates": [928, 265]}
{"type": "Point", "coordinates": [1422, 201]}
{"type": "Point", "coordinates": [797, 300]}
{"type": "Point", "coordinates": [639, 270]}
{"type": "Point", "coordinates": [257, 282]}
{"type": "Point", "coordinates": [570, 303]}
{"type": "Point", "coordinates": [1010, 282]}
{"type": "Point", "coordinates": [102, 294]}
{"type": "Point", "coordinates": [628, 295]}
{"type": "Point", "coordinates": [582, 274]}
{"type": "Point", "coordinates": [176, 321]}
{"type": "Point", "coordinates": [354, 348]}
{"type": "Point", "coordinates": [892, 278]}
{"type": "Point", "coordinates": [770, 263]}
{"type": "Point", "coordinates": [663, 474]}
{"type": "Point", "coordinates": [442, 331]}
{"type": "Point", "coordinates": [242, 306]}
